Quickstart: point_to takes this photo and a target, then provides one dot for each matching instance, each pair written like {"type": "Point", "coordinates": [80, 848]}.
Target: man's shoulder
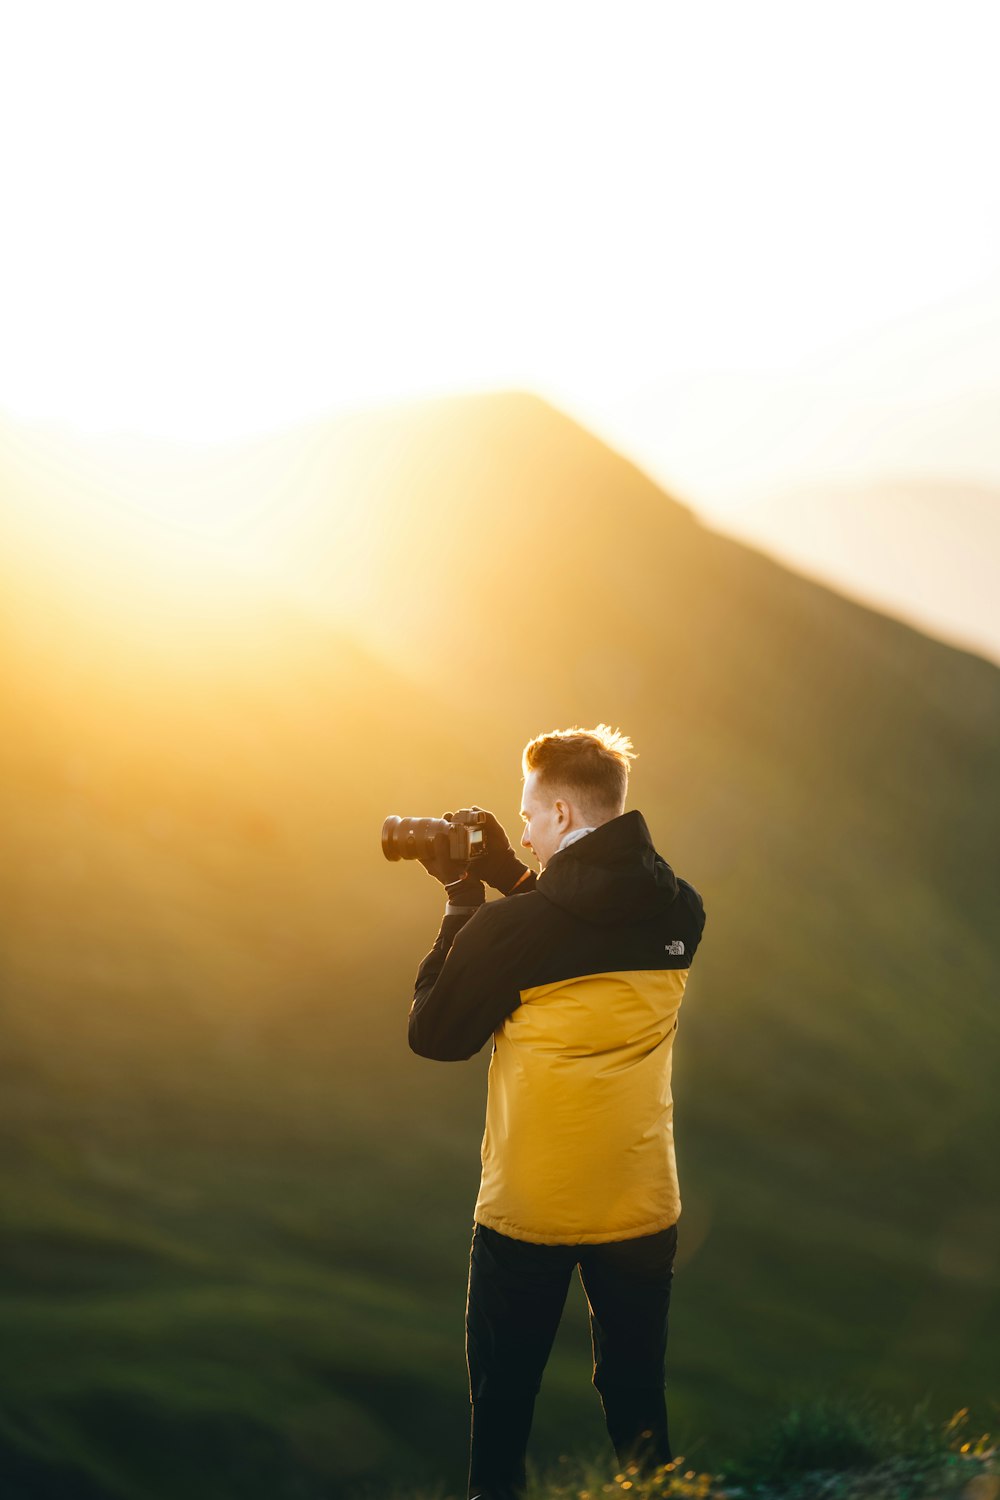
{"type": "Point", "coordinates": [503, 940]}
{"type": "Point", "coordinates": [511, 911]}
{"type": "Point", "coordinates": [509, 917]}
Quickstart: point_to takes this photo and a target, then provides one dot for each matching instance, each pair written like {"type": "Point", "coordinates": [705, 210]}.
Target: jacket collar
{"type": "Point", "coordinates": [613, 875]}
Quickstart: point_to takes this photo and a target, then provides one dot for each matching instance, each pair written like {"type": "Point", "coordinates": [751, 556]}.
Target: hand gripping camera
{"type": "Point", "coordinates": [462, 837]}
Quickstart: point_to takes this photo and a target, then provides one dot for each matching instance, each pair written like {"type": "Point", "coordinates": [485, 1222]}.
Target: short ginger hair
{"type": "Point", "coordinates": [592, 763]}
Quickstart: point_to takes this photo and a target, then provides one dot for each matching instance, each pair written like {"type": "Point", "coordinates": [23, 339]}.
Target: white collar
{"type": "Point", "coordinates": [571, 838]}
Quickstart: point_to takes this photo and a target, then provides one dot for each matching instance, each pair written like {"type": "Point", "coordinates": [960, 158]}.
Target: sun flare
{"type": "Point", "coordinates": [216, 229]}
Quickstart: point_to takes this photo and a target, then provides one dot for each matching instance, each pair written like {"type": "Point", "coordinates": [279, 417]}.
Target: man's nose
{"type": "Point", "coordinates": [525, 841]}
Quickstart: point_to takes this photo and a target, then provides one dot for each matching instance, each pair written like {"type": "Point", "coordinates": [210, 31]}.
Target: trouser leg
{"type": "Point", "coordinates": [628, 1288]}
{"type": "Point", "coordinates": [516, 1296]}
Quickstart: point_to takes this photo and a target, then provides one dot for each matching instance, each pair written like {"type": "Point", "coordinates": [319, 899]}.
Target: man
{"type": "Point", "coordinates": [577, 976]}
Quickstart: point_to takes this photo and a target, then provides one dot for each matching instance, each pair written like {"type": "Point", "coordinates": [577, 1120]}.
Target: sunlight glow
{"type": "Point", "coordinates": [224, 219]}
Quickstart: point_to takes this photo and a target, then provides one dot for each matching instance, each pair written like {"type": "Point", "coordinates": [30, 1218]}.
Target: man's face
{"type": "Point", "coordinates": [547, 818]}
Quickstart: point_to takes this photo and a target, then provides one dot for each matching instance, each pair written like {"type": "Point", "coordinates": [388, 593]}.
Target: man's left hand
{"type": "Point", "coordinates": [499, 866]}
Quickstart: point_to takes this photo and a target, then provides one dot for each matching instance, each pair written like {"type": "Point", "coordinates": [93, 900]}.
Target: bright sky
{"type": "Point", "coordinates": [747, 243]}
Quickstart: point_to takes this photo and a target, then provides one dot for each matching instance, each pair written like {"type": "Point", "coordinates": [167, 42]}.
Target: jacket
{"type": "Point", "coordinates": [579, 982]}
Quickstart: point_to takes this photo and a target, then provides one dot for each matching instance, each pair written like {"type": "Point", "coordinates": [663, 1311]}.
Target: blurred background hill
{"type": "Point", "coordinates": [237, 1209]}
{"type": "Point", "coordinates": [881, 540]}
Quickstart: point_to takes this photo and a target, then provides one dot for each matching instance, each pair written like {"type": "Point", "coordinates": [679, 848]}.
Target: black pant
{"type": "Point", "coordinates": [517, 1292]}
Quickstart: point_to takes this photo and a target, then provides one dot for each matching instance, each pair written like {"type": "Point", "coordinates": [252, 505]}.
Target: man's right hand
{"type": "Point", "coordinates": [439, 863]}
{"type": "Point", "coordinates": [463, 886]}
{"type": "Point", "coordinates": [499, 866]}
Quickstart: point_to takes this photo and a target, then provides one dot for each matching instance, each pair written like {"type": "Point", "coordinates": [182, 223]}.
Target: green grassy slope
{"type": "Point", "coordinates": [236, 1208]}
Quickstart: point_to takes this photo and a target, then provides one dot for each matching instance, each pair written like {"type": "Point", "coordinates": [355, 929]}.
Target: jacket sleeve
{"type": "Point", "coordinates": [463, 990]}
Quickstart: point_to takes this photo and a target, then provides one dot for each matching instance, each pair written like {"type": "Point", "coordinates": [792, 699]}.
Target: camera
{"type": "Point", "coordinates": [462, 837]}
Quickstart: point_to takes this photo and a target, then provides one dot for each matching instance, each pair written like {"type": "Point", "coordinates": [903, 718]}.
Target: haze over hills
{"type": "Point", "coordinates": [240, 1207]}
{"type": "Point", "coordinates": [924, 549]}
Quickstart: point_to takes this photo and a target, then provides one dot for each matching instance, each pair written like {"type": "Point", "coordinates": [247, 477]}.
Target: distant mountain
{"type": "Point", "coordinates": [925, 549]}
{"type": "Point", "coordinates": [238, 1208]}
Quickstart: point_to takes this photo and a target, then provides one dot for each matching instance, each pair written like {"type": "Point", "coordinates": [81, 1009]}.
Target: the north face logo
{"type": "Point", "coordinates": [676, 946]}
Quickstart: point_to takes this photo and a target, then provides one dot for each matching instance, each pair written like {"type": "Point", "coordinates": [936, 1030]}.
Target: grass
{"type": "Point", "coordinates": [826, 1449]}
{"type": "Point", "coordinates": [228, 1283]}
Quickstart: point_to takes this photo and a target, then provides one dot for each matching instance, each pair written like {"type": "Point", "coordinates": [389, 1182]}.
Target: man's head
{"type": "Point", "coordinates": [573, 778]}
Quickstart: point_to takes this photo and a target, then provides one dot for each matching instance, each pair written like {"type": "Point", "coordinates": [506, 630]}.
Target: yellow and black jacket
{"type": "Point", "coordinates": [579, 981]}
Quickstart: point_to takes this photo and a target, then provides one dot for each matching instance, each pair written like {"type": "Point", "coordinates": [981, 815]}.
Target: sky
{"type": "Point", "coordinates": [755, 247]}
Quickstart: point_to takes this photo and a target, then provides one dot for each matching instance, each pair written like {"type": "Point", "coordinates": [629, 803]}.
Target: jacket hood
{"type": "Point", "coordinates": [613, 875]}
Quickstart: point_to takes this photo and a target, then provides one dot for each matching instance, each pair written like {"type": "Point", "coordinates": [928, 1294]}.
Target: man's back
{"type": "Point", "coordinates": [580, 981]}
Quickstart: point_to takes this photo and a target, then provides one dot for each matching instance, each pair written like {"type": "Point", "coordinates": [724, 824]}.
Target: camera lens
{"type": "Point", "coordinates": [412, 838]}
{"type": "Point", "coordinates": [389, 828]}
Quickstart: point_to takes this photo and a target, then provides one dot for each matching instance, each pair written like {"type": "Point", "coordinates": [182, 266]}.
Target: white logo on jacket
{"type": "Point", "coordinates": [676, 946]}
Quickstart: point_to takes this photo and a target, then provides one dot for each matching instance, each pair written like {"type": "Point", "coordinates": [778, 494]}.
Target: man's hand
{"type": "Point", "coordinates": [499, 866]}
{"type": "Point", "coordinates": [463, 888]}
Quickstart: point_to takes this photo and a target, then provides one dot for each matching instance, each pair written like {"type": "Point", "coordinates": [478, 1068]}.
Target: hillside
{"type": "Point", "coordinates": [918, 548]}
{"type": "Point", "coordinates": [238, 1207]}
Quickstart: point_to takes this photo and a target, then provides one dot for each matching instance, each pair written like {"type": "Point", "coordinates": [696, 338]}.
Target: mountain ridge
{"type": "Point", "coordinates": [207, 970]}
{"type": "Point", "coordinates": [916, 547]}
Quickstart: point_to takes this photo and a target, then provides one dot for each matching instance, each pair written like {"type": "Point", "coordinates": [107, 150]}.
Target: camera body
{"type": "Point", "coordinates": [462, 837]}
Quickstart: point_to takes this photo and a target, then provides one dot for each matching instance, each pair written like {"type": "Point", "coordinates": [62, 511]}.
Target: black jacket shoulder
{"type": "Point", "coordinates": [606, 904]}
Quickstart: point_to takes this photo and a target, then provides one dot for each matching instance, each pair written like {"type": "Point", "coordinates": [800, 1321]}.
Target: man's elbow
{"type": "Point", "coordinates": [439, 1049]}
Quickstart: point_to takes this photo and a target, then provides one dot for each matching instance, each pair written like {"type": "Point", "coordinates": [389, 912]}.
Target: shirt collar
{"type": "Point", "coordinates": [571, 838]}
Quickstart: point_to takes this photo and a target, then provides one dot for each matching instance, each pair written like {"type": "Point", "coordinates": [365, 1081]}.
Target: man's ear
{"type": "Point", "coordinates": [563, 811]}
